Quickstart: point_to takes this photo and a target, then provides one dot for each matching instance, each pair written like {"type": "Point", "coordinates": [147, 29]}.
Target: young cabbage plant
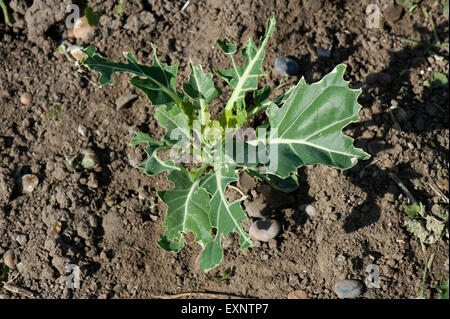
{"type": "Point", "coordinates": [304, 127]}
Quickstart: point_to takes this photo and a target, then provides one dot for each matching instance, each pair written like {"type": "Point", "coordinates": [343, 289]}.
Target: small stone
{"type": "Point", "coordinates": [82, 130]}
{"type": "Point", "coordinates": [286, 66]}
{"type": "Point", "coordinates": [393, 13]}
{"type": "Point", "coordinates": [82, 30]}
{"type": "Point", "coordinates": [326, 53]}
{"type": "Point", "coordinates": [21, 239]}
{"type": "Point", "coordinates": [90, 159]}
{"type": "Point", "coordinates": [309, 209]}
{"type": "Point", "coordinates": [348, 288]}
{"type": "Point", "coordinates": [28, 183]}
{"type": "Point", "coordinates": [264, 230]}
{"type": "Point", "coordinates": [26, 98]}
{"type": "Point", "coordinates": [9, 259]}
{"type": "Point", "coordinates": [376, 147]}
{"type": "Point", "coordinates": [298, 294]}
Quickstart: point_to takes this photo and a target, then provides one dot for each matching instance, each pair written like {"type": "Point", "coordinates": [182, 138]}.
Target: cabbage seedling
{"type": "Point", "coordinates": [304, 127]}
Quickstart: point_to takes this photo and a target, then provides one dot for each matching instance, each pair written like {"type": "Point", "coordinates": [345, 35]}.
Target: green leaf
{"type": "Point", "coordinates": [4, 271]}
{"type": "Point", "coordinates": [244, 78]}
{"type": "Point", "coordinates": [225, 217]}
{"type": "Point", "coordinates": [261, 100]}
{"type": "Point", "coordinates": [284, 97]}
{"type": "Point", "coordinates": [307, 129]}
{"type": "Point", "coordinates": [5, 12]}
{"type": "Point", "coordinates": [187, 211]}
{"type": "Point", "coordinates": [414, 210]}
{"type": "Point", "coordinates": [92, 16]}
{"type": "Point", "coordinates": [444, 291]}
{"type": "Point", "coordinates": [446, 12]}
{"type": "Point", "coordinates": [201, 89]}
{"type": "Point", "coordinates": [119, 8]}
{"type": "Point", "coordinates": [439, 80]}
{"type": "Point", "coordinates": [157, 81]}
{"type": "Point", "coordinates": [142, 138]}
{"type": "Point", "coordinates": [176, 123]}
{"type": "Point", "coordinates": [227, 48]}
{"type": "Point", "coordinates": [227, 274]}
{"type": "Point", "coordinates": [287, 185]}
{"type": "Point", "coordinates": [261, 96]}
{"type": "Point", "coordinates": [153, 165]}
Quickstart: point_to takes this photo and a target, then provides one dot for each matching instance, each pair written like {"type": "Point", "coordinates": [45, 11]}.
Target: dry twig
{"type": "Point", "coordinates": [402, 186]}
{"type": "Point", "coordinates": [215, 295]}
{"type": "Point", "coordinates": [19, 290]}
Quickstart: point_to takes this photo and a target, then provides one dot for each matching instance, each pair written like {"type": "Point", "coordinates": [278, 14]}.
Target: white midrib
{"type": "Point", "coordinates": [202, 102]}
{"type": "Point", "coordinates": [188, 197]}
{"type": "Point", "coordinates": [224, 199]}
{"type": "Point", "coordinates": [161, 87]}
{"type": "Point", "coordinates": [290, 142]}
{"type": "Point", "coordinates": [244, 77]}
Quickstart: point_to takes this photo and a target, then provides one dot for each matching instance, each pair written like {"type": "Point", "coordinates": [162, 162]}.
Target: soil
{"type": "Point", "coordinates": [110, 217]}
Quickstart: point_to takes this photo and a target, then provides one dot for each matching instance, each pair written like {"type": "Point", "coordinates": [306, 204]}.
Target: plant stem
{"type": "Point", "coordinates": [424, 278]}
{"type": "Point", "coordinates": [5, 12]}
{"type": "Point", "coordinates": [255, 110]}
{"type": "Point", "coordinates": [433, 26]}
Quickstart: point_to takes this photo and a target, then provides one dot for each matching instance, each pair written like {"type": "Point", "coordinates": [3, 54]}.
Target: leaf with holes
{"type": "Point", "coordinates": [243, 78]}
{"type": "Point", "coordinates": [307, 129]}
{"type": "Point", "coordinates": [303, 127]}
{"type": "Point", "coordinates": [225, 217]}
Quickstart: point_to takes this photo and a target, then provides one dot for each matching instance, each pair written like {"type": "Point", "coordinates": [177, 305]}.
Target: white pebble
{"type": "Point", "coordinates": [9, 259]}
{"type": "Point", "coordinates": [309, 209]}
{"type": "Point", "coordinates": [82, 130]}
{"type": "Point", "coordinates": [286, 66]}
{"type": "Point", "coordinates": [21, 239]}
{"type": "Point", "coordinates": [26, 98]}
{"type": "Point", "coordinates": [29, 183]}
{"type": "Point", "coordinates": [264, 230]}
